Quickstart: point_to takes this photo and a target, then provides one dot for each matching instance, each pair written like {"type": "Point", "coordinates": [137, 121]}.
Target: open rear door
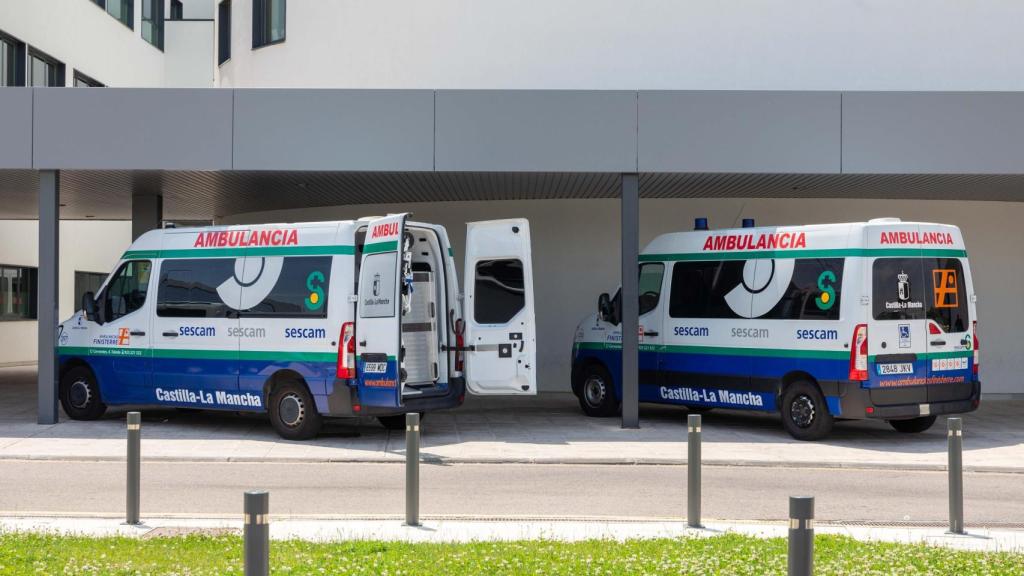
{"type": "Point", "coordinates": [501, 356]}
{"type": "Point", "coordinates": [379, 313]}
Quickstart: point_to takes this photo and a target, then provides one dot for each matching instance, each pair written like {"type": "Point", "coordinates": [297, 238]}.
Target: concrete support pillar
{"type": "Point", "coordinates": [147, 213]}
{"type": "Point", "coordinates": [630, 210]}
{"type": "Point", "coordinates": [47, 308]}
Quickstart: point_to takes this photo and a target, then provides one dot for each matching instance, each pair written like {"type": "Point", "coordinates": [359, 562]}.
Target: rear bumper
{"type": "Point", "coordinates": [857, 402]}
{"type": "Point", "coordinates": [341, 402]}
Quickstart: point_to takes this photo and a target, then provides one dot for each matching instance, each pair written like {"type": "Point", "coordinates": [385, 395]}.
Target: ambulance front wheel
{"type": "Point", "coordinates": [805, 413]}
{"type": "Point", "coordinates": [80, 394]}
{"type": "Point", "coordinates": [293, 412]}
{"type": "Point", "coordinates": [597, 394]}
{"type": "Point", "coordinates": [913, 425]}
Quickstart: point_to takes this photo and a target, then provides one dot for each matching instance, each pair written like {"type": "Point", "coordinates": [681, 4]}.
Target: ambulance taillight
{"type": "Point", "coordinates": [974, 331]}
{"type": "Point", "coordinates": [347, 351]}
{"type": "Point", "coordinates": [859, 353]}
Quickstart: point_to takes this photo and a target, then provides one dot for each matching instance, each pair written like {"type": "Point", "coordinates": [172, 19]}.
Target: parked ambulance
{"type": "Point", "coordinates": [836, 321]}
{"type": "Point", "coordinates": [306, 321]}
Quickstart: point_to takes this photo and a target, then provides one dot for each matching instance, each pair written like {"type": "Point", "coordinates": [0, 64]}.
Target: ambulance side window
{"type": "Point", "coordinates": [699, 288]}
{"type": "Point", "coordinates": [651, 275]}
{"type": "Point", "coordinates": [126, 292]}
{"type": "Point", "coordinates": [300, 290]}
{"type": "Point", "coordinates": [188, 288]}
{"type": "Point", "coordinates": [898, 289]}
{"type": "Point", "coordinates": [499, 292]}
{"type": "Point", "coordinates": [814, 291]}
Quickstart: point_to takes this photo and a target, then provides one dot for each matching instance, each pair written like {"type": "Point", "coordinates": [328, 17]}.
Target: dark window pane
{"type": "Point", "coordinates": [813, 292]}
{"type": "Point", "coordinates": [947, 305]}
{"type": "Point", "coordinates": [650, 286]}
{"type": "Point", "coordinates": [188, 288]}
{"type": "Point", "coordinates": [177, 10]}
{"type": "Point", "coordinates": [300, 290]}
{"type": "Point", "coordinates": [126, 292]}
{"type": "Point", "coordinates": [699, 288]}
{"type": "Point", "coordinates": [276, 17]}
{"type": "Point", "coordinates": [18, 287]}
{"type": "Point", "coordinates": [223, 32]}
{"type": "Point", "coordinates": [898, 289]}
{"type": "Point", "coordinates": [499, 291]}
{"type": "Point", "coordinates": [268, 22]}
{"type": "Point", "coordinates": [153, 22]}
{"type": "Point", "coordinates": [123, 10]}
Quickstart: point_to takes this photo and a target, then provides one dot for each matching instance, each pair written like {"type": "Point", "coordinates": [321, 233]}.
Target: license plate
{"type": "Point", "coordinates": [375, 367]}
{"type": "Point", "coordinates": [890, 369]}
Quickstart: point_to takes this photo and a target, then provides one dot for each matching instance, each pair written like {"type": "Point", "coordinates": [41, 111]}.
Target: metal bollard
{"type": "Point", "coordinates": [134, 468]}
{"type": "Point", "coordinates": [956, 475]}
{"type": "Point", "coordinates": [801, 535]}
{"type": "Point", "coordinates": [693, 471]}
{"type": "Point", "coordinates": [412, 469]}
{"type": "Point", "coordinates": [256, 532]}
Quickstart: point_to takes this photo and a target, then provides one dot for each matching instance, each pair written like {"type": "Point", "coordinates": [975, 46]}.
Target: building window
{"type": "Point", "coordinates": [12, 61]}
{"type": "Point", "coordinates": [44, 70]}
{"type": "Point", "coordinates": [83, 81]}
{"type": "Point", "coordinates": [153, 22]}
{"type": "Point", "coordinates": [87, 282]}
{"type": "Point", "coordinates": [268, 22]}
{"type": "Point", "coordinates": [123, 10]}
{"type": "Point", "coordinates": [18, 286]}
{"type": "Point", "coordinates": [223, 31]}
{"type": "Point", "coordinates": [177, 10]}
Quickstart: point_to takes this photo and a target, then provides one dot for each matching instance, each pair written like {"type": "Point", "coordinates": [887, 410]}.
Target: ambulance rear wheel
{"type": "Point", "coordinates": [293, 412]}
{"type": "Point", "coordinates": [913, 425]}
{"type": "Point", "coordinates": [805, 414]}
{"type": "Point", "coordinates": [597, 393]}
{"type": "Point", "coordinates": [80, 394]}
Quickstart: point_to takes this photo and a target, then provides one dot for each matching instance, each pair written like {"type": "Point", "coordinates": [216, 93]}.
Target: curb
{"type": "Point", "coordinates": [397, 458]}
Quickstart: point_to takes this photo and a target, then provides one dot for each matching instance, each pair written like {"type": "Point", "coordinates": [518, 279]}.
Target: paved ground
{"type": "Point", "coordinates": [544, 429]}
{"type": "Point", "coordinates": [652, 492]}
{"type": "Point", "coordinates": [460, 530]}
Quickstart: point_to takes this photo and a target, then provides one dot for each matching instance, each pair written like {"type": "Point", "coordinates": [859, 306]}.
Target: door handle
{"type": "Point", "coordinates": [362, 342]}
{"type": "Point", "coordinates": [650, 333]}
{"type": "Point", "coordinates": [137, 333]}
{"type": "Point", "coordinates": [938, 342]}
{"type": "Point", "coordinates": [171, 334]}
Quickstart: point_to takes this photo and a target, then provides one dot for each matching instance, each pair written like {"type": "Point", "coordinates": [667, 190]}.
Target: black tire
{"type": "Point", "coordinates": [913, 425]}
{"type": "Point", "coordinates": [80, 394]}
{"type": "Point", "coordinates": [396, 422]}
{"type": "Point", "coordinates": [596, 392]}
{"type": "Point", "coordinates": [293, 412]}
{"type": "Point", "coordinates": [805, 413]}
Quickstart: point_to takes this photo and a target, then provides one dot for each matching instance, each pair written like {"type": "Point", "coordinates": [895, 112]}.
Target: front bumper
{"type": "Point", "coordinates": [898, 404]}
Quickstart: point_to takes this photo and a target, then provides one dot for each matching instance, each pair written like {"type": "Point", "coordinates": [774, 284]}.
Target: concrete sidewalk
{"type": "Point", "coordinates": [442, 529]}
{"type": "Point", "coordinates": [546, 429]}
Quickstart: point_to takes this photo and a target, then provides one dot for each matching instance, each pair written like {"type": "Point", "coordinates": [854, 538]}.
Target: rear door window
{"type": "Point", "coordinates": [898, 289]}
{"type": "Point", "coordinates": [499, 291]}
{"type": "Point", "coordinates": [947, 297]}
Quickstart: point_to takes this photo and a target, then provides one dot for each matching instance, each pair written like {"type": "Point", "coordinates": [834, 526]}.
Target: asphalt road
{"type": "Point", "coordinates": [730, 493]}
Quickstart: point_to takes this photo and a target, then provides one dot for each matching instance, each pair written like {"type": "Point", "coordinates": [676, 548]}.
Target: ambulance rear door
{"type": "Point", "coordinates": [500, 325]}
{"type": "Point", "coordinates": [379, 313]}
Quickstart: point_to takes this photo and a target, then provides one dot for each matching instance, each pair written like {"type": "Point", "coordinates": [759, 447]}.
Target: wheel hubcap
{"type": "Point", "coordinates": [80, 395]}
{"type": "Point", "coordinates": [802, 411]}
{"type": "Point", "coordinates": [594, 390]}
{"type": "Point", "coordinates": [292, 409]}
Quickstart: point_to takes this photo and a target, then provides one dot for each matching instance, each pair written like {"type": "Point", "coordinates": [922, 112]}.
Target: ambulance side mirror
{"type": "Point", "coordinates": [89, 306]}
{"type": "Point", "coordinates": [604, 307]}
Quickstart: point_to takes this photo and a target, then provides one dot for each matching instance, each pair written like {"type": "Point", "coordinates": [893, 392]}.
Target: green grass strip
{"type": "Point", "coordinates": [729, 554]}
{"type": "Point", "coordinates": [829, 253]}
{"type": "Point", "coordinates": [254, 251]}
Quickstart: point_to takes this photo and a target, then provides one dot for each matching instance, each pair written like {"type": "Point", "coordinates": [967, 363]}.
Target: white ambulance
{"type": "Point", "coordinates": [837, 321]}
{"type": "Point", "coordinates": [306, 321]}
